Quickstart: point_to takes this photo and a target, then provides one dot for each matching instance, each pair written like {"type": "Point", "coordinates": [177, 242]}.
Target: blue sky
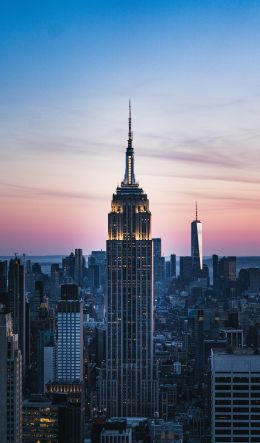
{"type": "Point", "coordinates": [67, 70]}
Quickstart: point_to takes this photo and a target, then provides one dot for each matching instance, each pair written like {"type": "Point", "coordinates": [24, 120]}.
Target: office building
{"type": "Point", "coordinates": [196, 246]}
{"type": "Point", "coordinates": [3, 275]}
{"type": "Point", "coordinates": [40, 421]}
{"type": "Point", "coordinates": [159, 261]}
{"type": "Point", "coordinates": [10, 379]}
{"type": "Point", "coordinates": [227, 269]}
{"type": "Point", "coordinates": [186, 269]}
{"type": "Point", "coordinates": [173, 265]}
{"type": "Point", "coordinates": [235, 396]}
{"type": "Point", "coordinates": [69, 335]}
{"type": "Point", "coordinates": [16, 289]}
{"type": "Point", "coordinates": [70, 399]}
{"type": "Point", "coordinates": [79, 267]}
{"type": "Point", "coordinates": [129, 386]}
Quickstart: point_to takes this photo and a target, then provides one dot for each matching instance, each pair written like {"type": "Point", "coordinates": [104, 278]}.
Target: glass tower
{"type": "Point", "coordinates": [196, 246]}
{"type": "Point", "coordinates": [128, 387]}
{"type": "Point", "coordinates": [69, 335]}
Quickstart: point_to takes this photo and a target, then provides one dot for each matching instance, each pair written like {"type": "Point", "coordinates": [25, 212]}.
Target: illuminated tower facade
{"type": "Point", "coordinates": [128, 385]}
{"type": "Point", "coordinates": [196, 246]}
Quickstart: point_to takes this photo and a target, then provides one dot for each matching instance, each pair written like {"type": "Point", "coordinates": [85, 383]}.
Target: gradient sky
{"type": "Point", "coordinates": [67, 69]}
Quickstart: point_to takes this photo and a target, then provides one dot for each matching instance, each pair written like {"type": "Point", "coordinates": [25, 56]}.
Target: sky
{"type": "Point", "coordinates": [67, 70]}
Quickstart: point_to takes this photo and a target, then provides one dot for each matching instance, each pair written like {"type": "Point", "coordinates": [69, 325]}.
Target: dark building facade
{"type": "Point", "coordinates": [16, 289]}
{"type": "Point", "coordinates": [10, 380]}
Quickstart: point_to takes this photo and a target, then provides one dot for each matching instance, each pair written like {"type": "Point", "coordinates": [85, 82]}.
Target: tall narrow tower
{"type": "Point", "coordinates": [10, 378]}
{"type": "Point", "coordinates": [196, 246]}
{"type": "Point", "coordinates": [128, 387]}
{"type": "Point", "coordinates": [16, 288]}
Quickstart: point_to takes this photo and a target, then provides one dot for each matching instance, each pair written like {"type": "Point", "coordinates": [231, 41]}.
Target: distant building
{"type": "Point", "coordinates": [224, 275]}
{"type": "Point", "coordinates": [10, 380]}
{"type": "Point", "coordinates": [173, 265]}
{"type": "Point", "coordinates": [235, 393]}
{"type": "Point", "coordinates": [55, 281]}
{"type": "Point", "coordinates": [3, 275]}
{"type": "Point", "coordinates": [159, 261]}
{"type": "Point", "coordinates": [254, 280]}
{"type": "Point", "coordinates": [97, 269]}
{"type": "Point", "coordinates": [68, 268]}
{"type": "Point", "coordinates": [196, 247]}
{"type": "Point", "coordinates": [227, 268]}
{"type": "Point", "coordinates": [79, 267]}
{"type": "Point", "coordinates": [186, 269]}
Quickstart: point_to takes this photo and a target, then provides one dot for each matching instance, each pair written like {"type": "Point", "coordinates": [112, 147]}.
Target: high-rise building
{"type": "Point", "coordinates": [55, 281]}
{"type": "Point", "coordinates": [235, 394]}
{"type": "Point", "coordinates": [224, 275]}
{"type": "Point", "coordinates": [173, 265]}
{"type": "Point", "coordinates": [158, 260]}
{"type": "Point", "coordinates": [70, 399]}
{"type": "Point", "coordinates": [10, 379]}
{"type": "Point", "coordinates": [227, 269]}
{"type": "Point", "coordinates": [3, 275]}
{"type": "Point", "coordinates": [16, 289]}
{"type": "Point", "coordinates": [68, 268]}
{"type": "Point", "coordinates": [96, 269]}
{"type": "Point", "coordinates": [69, 335]}
{"type": "Point", "coordinates": [42, 335]}
{"type": "Point", "coordinates": [129, 385]}
{"type": "Point", "coordinates": [196, 246]}
{"type": "Point", "coordinates": [186, 269]}
{"type": "Point", "coordinates": [79, 267]}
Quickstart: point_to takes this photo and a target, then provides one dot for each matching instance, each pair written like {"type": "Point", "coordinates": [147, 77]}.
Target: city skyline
{"type": "Point", "coordinates": [64, 113]}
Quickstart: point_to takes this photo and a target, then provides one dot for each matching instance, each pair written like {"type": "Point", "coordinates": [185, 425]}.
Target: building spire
{"type": "Point", "coordinates": [130, 133]}
{"type": "Point", "coordinates": [129, 178]}
{"type": "Point", "coordinates": [196, 210]}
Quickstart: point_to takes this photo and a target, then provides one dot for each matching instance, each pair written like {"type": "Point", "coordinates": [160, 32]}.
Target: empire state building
{"type": "Point", "coordinates": [128, 386]}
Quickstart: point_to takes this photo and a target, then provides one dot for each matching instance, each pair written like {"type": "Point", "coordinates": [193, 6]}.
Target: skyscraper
{"type": "Point", "coordinates": [196, 246]}
{"type": "Point", "coordinates": [173, 265]}
{"type": "Point", "coordinates": [3, 275]}
{"type": "Point", "coordinates": [10, 379]}
{"type": "Point", "coordinates": [129, 387]}
{"type": "Point", "coordinates": [16, 289]}
{"type": "Point", "coordinates": [69, 335]}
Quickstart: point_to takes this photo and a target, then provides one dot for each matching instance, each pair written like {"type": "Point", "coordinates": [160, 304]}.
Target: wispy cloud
{"type": "Point", "coordinates": [202, 157]}
{"type": "Point", "coordinates": [14, 190]}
